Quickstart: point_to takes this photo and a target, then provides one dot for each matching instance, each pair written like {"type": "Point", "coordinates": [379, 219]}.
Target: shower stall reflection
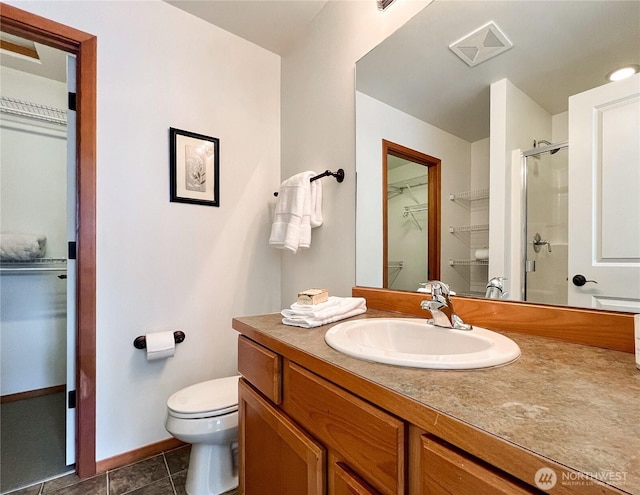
{"type": "Point", "coordinates": [546, 215]}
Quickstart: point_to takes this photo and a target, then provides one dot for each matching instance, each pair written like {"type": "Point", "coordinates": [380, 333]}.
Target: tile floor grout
{"type": "Point", "coordinates": [133, 479]}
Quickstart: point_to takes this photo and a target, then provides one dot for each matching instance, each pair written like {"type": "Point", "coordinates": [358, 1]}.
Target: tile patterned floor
{"type": "Point", "coordinates": [163, 474]}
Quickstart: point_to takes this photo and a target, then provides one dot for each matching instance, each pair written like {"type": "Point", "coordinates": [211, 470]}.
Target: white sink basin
{"type": "Point", "coordinates": [414, 342]}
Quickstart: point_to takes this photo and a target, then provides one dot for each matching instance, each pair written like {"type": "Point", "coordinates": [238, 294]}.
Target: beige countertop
{"type": "Point", "coordinates": [576, 405]}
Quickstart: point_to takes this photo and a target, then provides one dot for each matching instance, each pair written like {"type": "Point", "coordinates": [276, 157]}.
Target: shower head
{"type": "Point", "coordinates": [544, 141]}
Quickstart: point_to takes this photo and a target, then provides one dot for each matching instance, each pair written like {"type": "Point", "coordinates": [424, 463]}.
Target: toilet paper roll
{"type": "Point", "coordinates": [482, 254]}
{"type": "Point", "coordinates": [160, 345]}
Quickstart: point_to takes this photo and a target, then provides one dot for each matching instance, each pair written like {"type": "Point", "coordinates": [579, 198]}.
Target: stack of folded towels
{"type": "Point", "coordinates": [22, 247]}
{"type": "Point", "coordinates": [315, 315]}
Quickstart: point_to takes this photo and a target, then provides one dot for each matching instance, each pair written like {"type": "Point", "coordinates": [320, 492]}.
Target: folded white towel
{"type": "Point", "coordinates": [298, 210]}
{"type": "Point", "coordinates": [22, 247]}
{"type": "Point", "coordinates": [334, 309]}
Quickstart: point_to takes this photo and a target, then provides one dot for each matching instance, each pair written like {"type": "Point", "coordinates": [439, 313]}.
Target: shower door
{"type": "Point", "coordinates": [546, 225]}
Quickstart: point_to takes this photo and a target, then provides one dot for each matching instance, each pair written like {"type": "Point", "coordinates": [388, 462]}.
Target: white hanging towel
{"type": "Point", "coordinates": [298, 210]}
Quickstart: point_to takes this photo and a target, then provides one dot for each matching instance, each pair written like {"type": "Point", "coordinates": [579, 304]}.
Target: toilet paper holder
{"type": "Point", "coordinates": [141, 342]}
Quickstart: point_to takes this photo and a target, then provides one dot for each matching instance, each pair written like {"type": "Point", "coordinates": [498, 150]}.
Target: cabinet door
{"type": "Point", "coordinates": [346, 482]}
{"type": "Point", "coordinates": [370, 440]}
{"type": "Point", "coordinates": [276, 457]}
{"type": "Point", "coordinates": [446, 471]}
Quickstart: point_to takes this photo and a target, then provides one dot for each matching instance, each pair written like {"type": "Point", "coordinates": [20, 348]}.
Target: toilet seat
{"type": "Point", "coordinates": [206, 399]}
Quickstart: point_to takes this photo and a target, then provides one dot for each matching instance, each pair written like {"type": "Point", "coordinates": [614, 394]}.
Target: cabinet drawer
{"type": "Point", "coordinates": [446, 471]}
{"type": "Point", "coordinates": [369, 440]}
{"type": "Point", "coordinates": [261, 367]}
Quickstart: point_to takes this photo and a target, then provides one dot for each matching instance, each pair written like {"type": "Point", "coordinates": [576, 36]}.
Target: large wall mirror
{"type": "Point", "coordinates": [538, 150]}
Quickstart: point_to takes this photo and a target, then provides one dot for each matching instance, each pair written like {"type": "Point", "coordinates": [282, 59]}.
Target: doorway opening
{"type": "Point", "coordinates": [410, 217]}
{"type": "Point", "coordinates": [37, 270]}
{"type": "Point", "coordinates": [83, 46]}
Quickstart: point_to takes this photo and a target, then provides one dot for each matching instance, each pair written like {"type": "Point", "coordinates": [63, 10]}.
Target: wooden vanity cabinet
{"type": "Point", "coordinates": [445, 470]}
{"type": "Point", "coordinates": [285, 444]}
{"type": "Point", "coordinates": [345, 482]}
{"type": "Point", "coordinates": [276, 457]}
{"type": "Point", "coordinates": [300, 434]}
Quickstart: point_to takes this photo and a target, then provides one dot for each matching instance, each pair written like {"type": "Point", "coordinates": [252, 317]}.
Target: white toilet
{"type": "Point", "coordinates": [206, 416]}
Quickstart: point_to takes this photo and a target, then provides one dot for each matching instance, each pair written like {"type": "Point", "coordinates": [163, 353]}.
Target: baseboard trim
{"type": "Point", "coordinates": [30, 394]}
{"type": "Point", "coordinates": [137, 455]}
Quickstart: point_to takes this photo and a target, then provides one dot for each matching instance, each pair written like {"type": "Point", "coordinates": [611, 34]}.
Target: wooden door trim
{"type": "Point", "coordinates": [433, 165]}
{"type": "Point", "coordinates": [84, 46]}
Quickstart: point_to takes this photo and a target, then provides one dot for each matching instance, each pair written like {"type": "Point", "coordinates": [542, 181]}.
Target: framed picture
{"type": "Point", "coordinates": [194, 168]}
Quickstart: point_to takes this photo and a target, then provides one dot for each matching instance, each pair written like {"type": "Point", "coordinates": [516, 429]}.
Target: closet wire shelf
{"type": "Point", "coordinates": [470, 195]}
{"type": "Point", "coordinates": [30, 110]}
{"type": "Point", "coordinates": [466, 262]}
{"type": "Point", "coordinates": [469, 228]}
{"type": "Point", "coordinates": [34, 266]}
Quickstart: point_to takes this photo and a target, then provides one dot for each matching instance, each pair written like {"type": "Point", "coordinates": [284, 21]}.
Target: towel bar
{"type": "Point", "coordinates": [338, 174]}
{"type": "Point", "coordinates": [141, 342]}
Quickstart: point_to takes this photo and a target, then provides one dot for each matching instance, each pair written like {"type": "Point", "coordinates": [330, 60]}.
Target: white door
{"type": "Point", "coordinates": [604, 197]}
{"type": "Point", "coordinates": [71, 267]}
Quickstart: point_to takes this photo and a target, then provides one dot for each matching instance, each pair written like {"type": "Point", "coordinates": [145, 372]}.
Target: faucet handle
{"type": "Point", "coordinates": [438, 288]}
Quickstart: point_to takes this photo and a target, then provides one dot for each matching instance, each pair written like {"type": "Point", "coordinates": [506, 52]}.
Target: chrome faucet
{"type": "Point", "coordinates": [441, 308]}
{"type": "Point", "coordinates": [495, 288]}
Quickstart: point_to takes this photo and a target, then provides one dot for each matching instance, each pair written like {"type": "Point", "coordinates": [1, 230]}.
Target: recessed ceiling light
{"type": "Point", "coordinates": [623, 72]}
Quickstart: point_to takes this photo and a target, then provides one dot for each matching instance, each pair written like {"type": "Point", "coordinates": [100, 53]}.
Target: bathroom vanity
{"type": "Point", "coordinates": [316, 421]}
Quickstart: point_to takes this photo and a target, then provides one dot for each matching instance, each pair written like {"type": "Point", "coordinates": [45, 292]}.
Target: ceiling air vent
{"type": "Point", "coordinates": [482, 44]}
{"type": "Point", "coordinates": [383, 4]}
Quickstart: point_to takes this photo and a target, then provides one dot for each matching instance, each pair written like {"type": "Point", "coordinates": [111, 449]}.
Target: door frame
{"type": "Point", "coordinates": [84, 47]}
{"type": "Point", "coordinates": [433, 200]}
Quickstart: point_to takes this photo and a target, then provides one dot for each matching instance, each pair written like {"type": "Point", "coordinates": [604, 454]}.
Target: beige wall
{"type": "Point", "coordinates": [318, 132]}
{"type": "Point", "coordinates": [162, 265]}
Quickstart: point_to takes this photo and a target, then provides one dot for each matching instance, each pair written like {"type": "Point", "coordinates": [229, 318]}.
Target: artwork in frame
{"type": "Point", "coordinates": [194, 168]}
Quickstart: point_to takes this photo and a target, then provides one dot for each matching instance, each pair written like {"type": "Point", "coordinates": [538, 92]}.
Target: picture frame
{"type": "Point", "coordinates": [194, 168]}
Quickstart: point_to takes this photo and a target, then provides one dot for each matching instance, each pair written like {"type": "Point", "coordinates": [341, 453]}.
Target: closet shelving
{"type": "Point", "coordinates": [468, 262]}
{"type": "Point", "coordinates": [38, 265]}
{"type": "Point", "coordinates": [413, 209]}
{"type": "Point", "coordinates": [475, 235]}
{"type": "Point", "coordinates": [469, 228]}
{"type": "Point", "coordinates": [466, 197]}
{"type": "Point", "coordinates": [30, 110]}
{"type": "Point", "coordinates": [396, 188]}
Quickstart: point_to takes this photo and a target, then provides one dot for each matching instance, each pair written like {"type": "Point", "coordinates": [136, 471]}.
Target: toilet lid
{"type": "Point", "coordinates": [206, 399]}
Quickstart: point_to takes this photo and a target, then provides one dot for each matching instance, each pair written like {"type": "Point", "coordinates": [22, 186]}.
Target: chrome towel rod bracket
{"type": "Point", "coordinates": [338, 174]}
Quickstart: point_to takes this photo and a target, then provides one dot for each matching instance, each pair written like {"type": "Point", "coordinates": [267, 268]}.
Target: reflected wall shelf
{"type": "Point", "coordinates": [469, 228]}
{"type": "Point", "coordinates": [34, 266]}
{"type": "Point", "coordinates": [468, 262]}
{"type": "Point", "coordinates": [474, 195]}
{"type": "Point", "coordinates": [410, 210]}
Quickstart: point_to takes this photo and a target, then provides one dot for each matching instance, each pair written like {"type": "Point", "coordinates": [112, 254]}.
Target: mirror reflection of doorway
{"type": "Point", "coordinates": [411, 217]}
